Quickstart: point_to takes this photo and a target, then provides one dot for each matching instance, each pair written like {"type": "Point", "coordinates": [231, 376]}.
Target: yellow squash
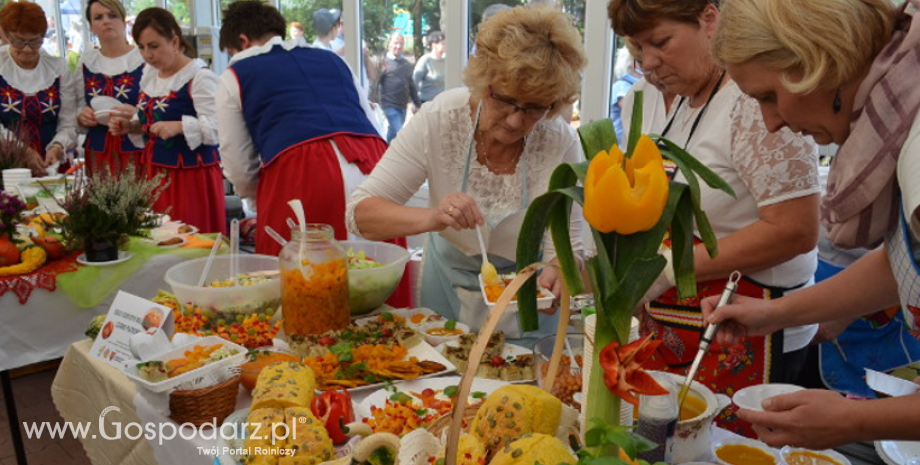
{"type": "Point", "coordinates": [32, 258]}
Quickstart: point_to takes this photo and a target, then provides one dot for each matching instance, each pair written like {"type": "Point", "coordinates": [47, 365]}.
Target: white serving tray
{"type": "Point", "coordinates": [197, 376]}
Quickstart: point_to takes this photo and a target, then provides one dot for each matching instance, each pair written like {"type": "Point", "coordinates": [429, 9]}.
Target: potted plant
{"type": "Point", "coordinates": [103, 210]}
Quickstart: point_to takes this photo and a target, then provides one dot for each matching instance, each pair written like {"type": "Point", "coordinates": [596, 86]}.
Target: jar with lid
{"type": "Point", "coordinates": [314, 282]}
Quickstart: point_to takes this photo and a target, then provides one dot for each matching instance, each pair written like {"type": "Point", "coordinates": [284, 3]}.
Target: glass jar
{"type": "Point", "coordinates": [314, 282]}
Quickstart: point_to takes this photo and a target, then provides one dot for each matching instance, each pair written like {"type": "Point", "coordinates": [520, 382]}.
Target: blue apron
{"type": "Point", "coordinates": [450, 283]}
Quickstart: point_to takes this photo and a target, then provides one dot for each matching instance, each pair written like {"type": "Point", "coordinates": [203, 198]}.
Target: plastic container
{"type": "Point", "coordinates": [542, 302]}
{"type": "Point", "coordinates": [435, 340]}
{"type": "Point", "coordinates": [228, 301]}
{"type": "Point", "coordinates": [314, 282]}
{"type": "Point", "coordinates": [658, 420]}
{"type": "Point", "coordinates": [195, 376]}
{"type": "Point", "coordinates": [568, 378]}
{"type": "Point", "coordinates": [369, 288]}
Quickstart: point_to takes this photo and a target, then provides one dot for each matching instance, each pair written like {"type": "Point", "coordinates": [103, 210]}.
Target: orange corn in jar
{"type": "Point", "coordinates": [314, 283]}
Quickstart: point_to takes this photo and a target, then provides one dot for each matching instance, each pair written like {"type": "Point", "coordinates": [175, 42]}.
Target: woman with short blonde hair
{"type": "Point", "coordinates": [487, 151]}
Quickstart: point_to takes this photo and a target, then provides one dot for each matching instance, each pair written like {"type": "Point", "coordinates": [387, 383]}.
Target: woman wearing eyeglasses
{"type": "Point", "coordinates": [112, 70]}
{"type": "Point", "coordinates": [38, 92]}
{"type": "Point", "coordinates": [486, 150]}
{"type": "Point", "coordinates": [768, 231]}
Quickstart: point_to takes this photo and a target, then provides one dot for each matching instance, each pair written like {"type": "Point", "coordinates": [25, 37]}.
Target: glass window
{"type": "Point", "coordinates": [180, 9]}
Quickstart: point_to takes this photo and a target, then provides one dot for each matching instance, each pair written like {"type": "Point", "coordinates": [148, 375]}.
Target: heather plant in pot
{"type": "Point", "coordinates": [631, 207]}
{"type": "Point", "coordinates": [103, 210]}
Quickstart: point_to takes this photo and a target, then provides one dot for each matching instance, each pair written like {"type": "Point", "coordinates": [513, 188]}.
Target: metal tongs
{"type": "Point", "coordinates": [708, 335]}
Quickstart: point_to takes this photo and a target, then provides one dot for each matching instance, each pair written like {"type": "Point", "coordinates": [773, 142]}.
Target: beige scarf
{"type": "Point", "coordinates": [861, 202]}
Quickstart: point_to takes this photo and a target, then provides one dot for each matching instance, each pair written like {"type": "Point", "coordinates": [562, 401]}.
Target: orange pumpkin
{"type": "Point", "coordinates": [9, 254]}
{"type": "Point", "coordinates": [249, 371]}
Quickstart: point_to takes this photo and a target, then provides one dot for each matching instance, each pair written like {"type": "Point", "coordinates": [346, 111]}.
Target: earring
{"type": "Point", "coordinates": [837, 103]}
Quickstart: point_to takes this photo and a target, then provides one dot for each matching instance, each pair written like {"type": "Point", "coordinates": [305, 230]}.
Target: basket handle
{"type": "Point", "coordinates": [479, 348]}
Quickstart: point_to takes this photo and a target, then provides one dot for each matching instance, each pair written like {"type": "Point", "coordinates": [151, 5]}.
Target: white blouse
{"type": "Point", "coordinates": [32, 81]}
{"type": "Point", "coordinates": [433, 147]}
{"type": "Point", "coordinates": [197, 130]}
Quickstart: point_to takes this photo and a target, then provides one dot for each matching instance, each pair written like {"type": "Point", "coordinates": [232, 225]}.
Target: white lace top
{"type": "Point", "coordinates": [433, 147]}
{"type": "Point", "coordinates": [763, 168]}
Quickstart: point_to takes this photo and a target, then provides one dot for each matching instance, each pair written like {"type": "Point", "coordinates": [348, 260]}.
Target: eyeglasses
{"type": "Point", "coordinates": [20, 43]}
{"type": "Point", "coordinates": [508, 107]}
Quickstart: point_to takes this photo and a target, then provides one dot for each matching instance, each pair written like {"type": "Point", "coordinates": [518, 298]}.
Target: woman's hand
{"type": "Point", "coordinates": [122, 121]}
{"type": "Point", "coordinates": [53, 154]}
{"type": "Point", "coordinates": [458, 211]}
{"type": "Point", "coordinates": [814, 418]}
{"type": "Point", "coordinates": [166, 129]}
{"type": "Point", "coordinates": [36, 163]}
{"type": "Point", "coordinates": [745, 316]}
{"type": "Point", "coordinates": [87, 118]}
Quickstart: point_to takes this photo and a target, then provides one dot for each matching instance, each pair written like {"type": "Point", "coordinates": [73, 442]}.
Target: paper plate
{"type": "Point", "coordinates": [898, 452]}
{"type": "Point", "coordinates": [103, 102]}
{"type": "Point", "coordinates": [103, 116]}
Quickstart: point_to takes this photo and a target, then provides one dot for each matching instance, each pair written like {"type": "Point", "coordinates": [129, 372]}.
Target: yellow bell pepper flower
{"type": "Point", "coordinates": [626, 197]}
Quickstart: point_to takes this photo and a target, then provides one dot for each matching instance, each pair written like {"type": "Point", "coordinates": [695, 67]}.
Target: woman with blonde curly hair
{"type": "Point", "coordinates": [862, 94]}
{"type": "Point", "coordinates": [487, 150]}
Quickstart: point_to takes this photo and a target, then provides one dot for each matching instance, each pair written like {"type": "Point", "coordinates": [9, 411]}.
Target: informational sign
{"type": "Point", "coordinates": [129, 315]}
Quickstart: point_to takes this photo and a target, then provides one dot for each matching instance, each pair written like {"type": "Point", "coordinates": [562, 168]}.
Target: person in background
{"type": "Point", "coordinates": [112, 70]}
{"type": "Point", "coordinates": [429, 71]}
{"type": "Point", "coordinates": [487, 13]}
{"type": "Point", "coordinates": [396, 87]}
{"type": "Point", "coordinates": [326, 26]}
{"type": "Point", "coordinates": [768, 231]}
{"type": "Point", "coordinates": [296, 30]}
{"type": "Point", "coordinates": [860, 93]}
{"type": "Point", "coordinates": [487, 151]}
{"type": "Point", "coordinates": [625, 72]}
{"type": "Point", "coordinates": [175, 121]}
{"type": "Point", "coordinates": [285, 137]}
{"type": "Point", "coordinates": [39, 92]}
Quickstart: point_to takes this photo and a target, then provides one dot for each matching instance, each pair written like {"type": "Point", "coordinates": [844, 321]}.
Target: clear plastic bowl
{"type": "Point", "coordinates": [568, 378]}
{"type": "Point", "coordinates": [369, 288]}
{"type": "Point", "coordinates": [231, 301]}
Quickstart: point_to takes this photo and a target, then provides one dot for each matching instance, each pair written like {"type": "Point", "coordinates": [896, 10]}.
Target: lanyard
{"type": "Point", "coordinates": [699, 117]}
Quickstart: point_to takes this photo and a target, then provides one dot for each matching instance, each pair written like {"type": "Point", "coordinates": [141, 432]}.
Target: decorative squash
{"type": "Point", "coordinates": [32, 258]}
{"type": "Point", "coordinates": [52, 245]}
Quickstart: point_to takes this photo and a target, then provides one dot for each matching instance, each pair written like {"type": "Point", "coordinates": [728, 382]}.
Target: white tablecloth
{"type": "Point", "coordinates": [49, 322]}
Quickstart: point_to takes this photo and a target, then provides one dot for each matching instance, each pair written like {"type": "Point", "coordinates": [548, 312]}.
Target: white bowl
{"type": "Point", "coordinates": [831, 454]}
{"type": "Point", "coordinates": [369, 288]}
{"type": "Point", "coordinates": [752, 397]}
{"type": "Point", "coordinates": [103, 116]}
{"type": "Point", "coordinates": [438, 340]}
{"type": "Point", "coordinates": [890, 385]}
{"type": "Point", "coordinates": [742, 441]}
{"type": "Point", "coordinates": [542, 302]}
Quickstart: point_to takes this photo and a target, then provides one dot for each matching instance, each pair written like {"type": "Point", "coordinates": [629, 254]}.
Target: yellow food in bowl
{"type": "Point", "coordinates": [692, 407]}
{"type": "Point", "coordinates": [444, 332]}
{"type": "Point", "coordinates": [740, 454]}
{"type": "Point", "coordinates": [809, 458]}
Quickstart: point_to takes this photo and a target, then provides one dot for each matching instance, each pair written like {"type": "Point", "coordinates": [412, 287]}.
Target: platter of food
{"type": "Point", "coordinates": [501, 361]}
{"type": "Point", "coordinates": [364, 356]}
{"type": "Point", "coordinates": [189, 364]}
{"type": "Point", "coordinates": [490, 294]}
{"type": "Point", "coordinates": [416, 392]}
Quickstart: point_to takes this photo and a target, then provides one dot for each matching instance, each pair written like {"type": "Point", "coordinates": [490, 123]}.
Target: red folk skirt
{"type": "Point", "coordinates": [194, 196]}
{"type": "Point", "coordinates": [310, 172]}
{"type": "Point", "coordinates": [113, 158]}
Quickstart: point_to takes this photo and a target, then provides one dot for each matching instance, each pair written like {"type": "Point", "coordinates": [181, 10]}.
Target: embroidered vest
{"type": "Point", "coordinates": [173, 152]}
{"type": "Point", "coordinates": [37, 113]}
{"type": "Point", "coordinates": [314, 97]}
{"type": "Point", "coordinates": [124, 87]}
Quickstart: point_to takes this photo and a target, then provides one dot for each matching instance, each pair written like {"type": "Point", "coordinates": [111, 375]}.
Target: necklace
{"type": "Point", "coordinates": [690, 113]}
{"type": "Point", "coordinates": [504, 168]}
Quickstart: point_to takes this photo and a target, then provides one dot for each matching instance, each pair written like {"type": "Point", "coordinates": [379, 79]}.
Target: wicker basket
{"type": "Point", "coordinates": [209, 404]}
{"type": "Point", "coordinates": [454, 422]}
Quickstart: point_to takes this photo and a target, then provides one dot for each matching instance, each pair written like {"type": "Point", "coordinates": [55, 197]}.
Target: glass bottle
{"type": "Point", "coordinates": [658, 419]}
{"type": "Point", "coordinates": [314, 282]}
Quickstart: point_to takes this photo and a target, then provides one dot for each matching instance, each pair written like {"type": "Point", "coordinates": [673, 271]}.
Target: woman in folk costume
{"type": "Point", "coordinates": [177, 117]}
{"type": "Point", "coordinates": [38, 92]}
{"type": "Point", "coordinates": [112, 70]}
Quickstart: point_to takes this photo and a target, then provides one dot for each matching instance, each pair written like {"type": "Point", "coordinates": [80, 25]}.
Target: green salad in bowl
{"type": "Point", "coordinates": [374, 270]}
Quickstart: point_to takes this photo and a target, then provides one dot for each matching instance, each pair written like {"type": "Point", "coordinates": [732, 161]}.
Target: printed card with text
{"type": "Point", "coordinates": [129, 315]}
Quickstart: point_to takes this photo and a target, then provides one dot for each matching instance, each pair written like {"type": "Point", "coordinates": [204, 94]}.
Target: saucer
{"type": "Point", "coordinates": [123, 256]}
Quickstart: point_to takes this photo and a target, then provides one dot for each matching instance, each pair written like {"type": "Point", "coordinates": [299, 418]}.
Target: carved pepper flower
{"type": "Point", "coordinates": [626, 196]}
{"type": "Point", "coordinates": [623, 372]}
